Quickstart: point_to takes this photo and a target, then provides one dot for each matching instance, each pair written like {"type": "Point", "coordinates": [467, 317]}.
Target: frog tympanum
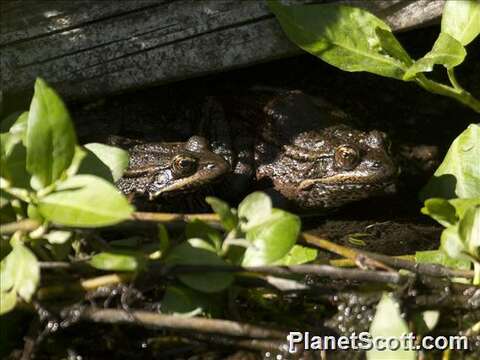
{"type": "Point", "coordinates": [298, 147]}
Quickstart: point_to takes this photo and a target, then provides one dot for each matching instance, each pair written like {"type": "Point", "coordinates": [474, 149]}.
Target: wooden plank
{"type": "Point", "coordinates": [90, 48]}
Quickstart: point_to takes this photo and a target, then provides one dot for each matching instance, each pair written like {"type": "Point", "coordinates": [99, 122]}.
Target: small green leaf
{"type": "Point", "coordinates": [446, 51]}
{"type": "Point", "coordinates": [440, 257]}
{"type": "Point", "coordinates": [255, 209]}
{"type": "Point", "coordinates": [108, 162]}
{"type": "Point", "coordinates": [227, 216]}
{"type": "Point", "coordinates": [85, 201]}
{"type": "Point", "coordinates": [17, 132]}
{"type": "Point", "coordinates": [272, 240]}
{"type": "Point", "coordinates": [297, 255]}
{"type": "Point", "coordinates": [187, 254]}
{"type": "Point", "coordinates": [440, 210]}
{"type": "Point", "coordinates": [163, 238]}
{"type": "Point", "coordinates": [50, 135]}
{"type": "Point", "coordinates": [199, 229]}
{"type": "Point", "coordinates": [469, 230]}
{"type": "Point", "coordinates": [185, 301]}
{"type": "Point", "coordinates": [118, 261]}
{"type": "Point", "coordinates": [387, 323]}
{"type": "Point", "coordinates": [462, 205]}
{"type": "Point", "coordinates": [459, 173]}
{"type": "Point", "coordinates": [58, 236]}
{"type": "Point", "coordinates": [343, 36]}
{"type": "Point", "coordinates": [391, 46]}
{"type": "Point", "coordinates": [19, 273]}
{"type": "Point", "coordinates": [452, 243]}
{"type": "Point", "coordinates": [461, 20]}
{"type": "Point", "coordinates": [15, 167]}
{"type": "Point", "coordinates": [8, 300]}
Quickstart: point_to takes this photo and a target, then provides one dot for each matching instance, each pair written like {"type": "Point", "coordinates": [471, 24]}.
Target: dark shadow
{"type": "Point", "coordinates": [440, 186]}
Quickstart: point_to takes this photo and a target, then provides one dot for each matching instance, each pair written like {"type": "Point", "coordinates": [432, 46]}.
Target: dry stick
{"type": "Point", "coordinates": [160, 321]}
{"type": "Point", "coordinates": [331, 272]}
{"type": "Point", "coordinates": [434, 270]}
{"type": "Point", "coordinates": [25, 225]}
{"type": "Point", "coordinates": [173, 217]}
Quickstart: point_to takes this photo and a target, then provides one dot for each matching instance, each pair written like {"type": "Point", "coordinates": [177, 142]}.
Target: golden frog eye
{"type": "Point", "coordinates": [184, 165]}
{"type": "Point", "coordinates": [346, 157]}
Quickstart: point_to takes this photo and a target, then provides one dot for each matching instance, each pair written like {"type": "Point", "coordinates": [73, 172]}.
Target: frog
{"type": "Point", "coordinates": [301, 150]}
{"type": "Point", "coordinates": [306, 153]}
{"type": "Point", "coordinates": [160, 170]}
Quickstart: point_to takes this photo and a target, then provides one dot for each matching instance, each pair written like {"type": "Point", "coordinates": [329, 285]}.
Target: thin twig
{"type": "Point", "coordinates": [430, 269]}
{"type": "Point", "coordinates": [173, 217]}
{"type": "Point", "coordinates": [160, 321]}
{"type": "Point", "coordinates": [25, 225]}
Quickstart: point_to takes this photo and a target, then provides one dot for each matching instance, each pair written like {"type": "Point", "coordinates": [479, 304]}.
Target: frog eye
{"type": "Point", "coordinates": [184, 165]}
{"type": "Point", "coordinates": [346, 157]}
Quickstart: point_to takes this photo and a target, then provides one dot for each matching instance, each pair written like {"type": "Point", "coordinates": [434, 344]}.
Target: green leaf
{"type": "Point", "coordinates": [459, 173]}
{"type": "Point", "coordinates": [297, 255]}
{"type": "Point", "coordinates": [50, 135]}
{"type": "Point", "coordinates": [187, 254]}
{"type": "Point", "coordinates": [440, 257]}
{"type": "Point", "coordinates": [446, 51]}
{"type": "Point", "coordinates": [387, 323]}
{"type": "Point", "coordinates": [469, 230]}
{"type": "Point", "coordinates": [343, 36]}
{"type": "Point", "coordinates": [8, 300]}
{"type": "Point", "coordinates": [392, 47]}
{"type": "Point", "coordinates": [228, 218]}
{"type": "Point", "coordinates": [7, 122]}
{"type": "Point", "coordinates": [17, 132]}
{"type": "Point", "coordinates": [461, 20]}
{"type": "Point", "coordinates": [118, 261]}
{"type": "Point", "coordinates": [20, 274]}
{"type": "Point", "coordinates": [108, 162]}
{"type": "Point", "coordinates": [58, 236]}
{"type": "Point", "coordinates": [452, 243]}
{"type": "Point", "coordinates": [272, 240]}
{"type": "Point", "coordinates": [255, 209]}
{"type": "Point", "coordinates": [462, 205]}
{"type": "Point", "coordinates": [85, 201]}
{"type": "Point", "coordinates": [440, 210]}
{"type": "Point", "coordinates": [14, 164]}
{"type": "Point", "coordinates": [199, 229]}
{"type": "Point", "coordinates": [185, 301]}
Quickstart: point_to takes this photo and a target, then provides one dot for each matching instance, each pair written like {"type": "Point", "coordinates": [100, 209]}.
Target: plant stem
{"type": "Point", "coordinates": [458, 94]}
{"type": "Point", "coordinates": [453, 79]}
{"type": "Point", "coordinates": [476, 270]}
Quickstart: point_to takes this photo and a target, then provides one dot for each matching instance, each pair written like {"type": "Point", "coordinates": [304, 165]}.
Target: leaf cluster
{"type": "Point", "coordinates": [353, 39]}
{"type": "Point", "coordinates": [48, 179]}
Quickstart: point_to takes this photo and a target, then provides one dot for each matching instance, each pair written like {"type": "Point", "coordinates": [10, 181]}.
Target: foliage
{"type": "Point", "coordinates": [353, 39]}
{"type": "Point", "coordinates": [388, 322]}
{"type": "Point", "coordinates": [453, 199]}
{"type": "Point", "coordinates": [41, 180]}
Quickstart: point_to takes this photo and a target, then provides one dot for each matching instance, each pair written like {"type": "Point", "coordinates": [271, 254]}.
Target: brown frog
{"type": "Point", "coordinates": [296, 147]}
{"type": "Point", "coordinates": [160, 170]}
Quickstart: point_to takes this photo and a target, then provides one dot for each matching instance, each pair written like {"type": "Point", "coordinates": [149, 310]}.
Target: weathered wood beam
{"type": "Point", "coordinates": [89, 48]}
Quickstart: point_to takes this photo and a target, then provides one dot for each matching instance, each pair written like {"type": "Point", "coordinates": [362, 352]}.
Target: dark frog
{"type": "Point", "coordinates": [161, 170]}
{"type": "Point", "coordinates": [306, 153]}
{"type": "Point", "coordinates": [297, 148]}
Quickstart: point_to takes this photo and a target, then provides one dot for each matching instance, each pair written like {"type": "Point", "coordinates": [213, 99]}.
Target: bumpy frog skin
{"type": "Point", "coordinates": [298, 146]}
{"type": "Point", "coordinates": [166, 169]}
{"type": "Point", "coordinates": [316, 162]}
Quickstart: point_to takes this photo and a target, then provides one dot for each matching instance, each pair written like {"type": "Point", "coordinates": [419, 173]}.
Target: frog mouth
{"type": "Point", "coordinates": [208, 175]}
{"type": "Point", "coordinates": [347, 181]}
